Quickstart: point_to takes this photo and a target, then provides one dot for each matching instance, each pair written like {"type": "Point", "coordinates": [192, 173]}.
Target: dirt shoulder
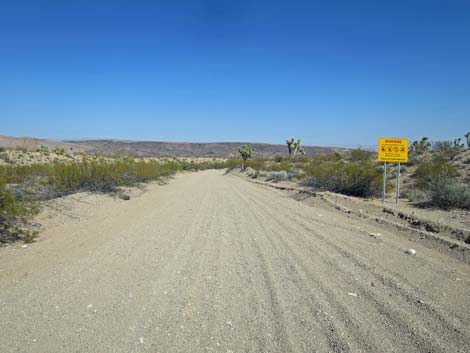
{"type": "Point", "coordinates": [450, 230]}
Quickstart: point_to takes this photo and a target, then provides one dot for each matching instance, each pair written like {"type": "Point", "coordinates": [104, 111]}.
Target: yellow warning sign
{"type": "Point", "coordinates": [393, 150]}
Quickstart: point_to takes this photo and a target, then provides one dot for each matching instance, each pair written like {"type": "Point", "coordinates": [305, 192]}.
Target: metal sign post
{"type": "Point", "coordinates": [392, 150]}
{"type": "Point", "coordinates": [398, 184]}
{"type": "Point", "coordinates": [385, 182]}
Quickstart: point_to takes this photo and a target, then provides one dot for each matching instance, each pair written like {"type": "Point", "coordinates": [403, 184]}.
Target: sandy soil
{"type": "Point", "coordinates": [213, 263]}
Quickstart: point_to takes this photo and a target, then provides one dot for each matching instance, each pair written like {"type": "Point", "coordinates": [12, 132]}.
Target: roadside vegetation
{"type": "Point", "coordinates": [438, 173]}
{"type": "Point", "coordinates": [343, 174]}
{"type": "Point", "coordinates": [16, 214]}
{"type": "Point", "coordinates": [23, 187]}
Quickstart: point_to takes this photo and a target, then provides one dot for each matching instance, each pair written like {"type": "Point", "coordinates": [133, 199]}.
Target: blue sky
{"type": "Point", "coordinates": [331, 72]}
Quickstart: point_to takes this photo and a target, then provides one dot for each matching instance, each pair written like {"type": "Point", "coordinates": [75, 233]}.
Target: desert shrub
{"type": "Point", "coordinates": [278, 176]}
{"type": "Point", "coordinates": [360, 155]}
{"type": "Point", "coordinates": [21, 149]}
{"type": "Point", "coordinates": [231, 164]}
{"type": "Point", "coordinates": [16, 212]}
{"type": "Point", "coordinates": [415, 195]}
{"type": "Point", "coordinates": [96, 174]}
{"type": "Point", "coordinates": [100, 175]}
{"type": "Point", "coordinates": [43, 149]}
{"type": "Point", "coordinates": [439, 181]}
{"type": "Point", "coordinates": [256, 163]}
{"type": "Point", "coordinates": [446, 192]}
{"type": "Point", "coordinates": [251, 172]}
{"type": "Point", "coordinates": [361, 178]}
{"type": "Point", "coordinates": [284, 165]}
{"type": "Point", "coordinates": [445, 150]}
{"type": "Point", "coordinates": [429, 170]}
{"type": "Point", "coordinates": [300, 159]}
{"type": "Point", "coordinates": [59, 151]}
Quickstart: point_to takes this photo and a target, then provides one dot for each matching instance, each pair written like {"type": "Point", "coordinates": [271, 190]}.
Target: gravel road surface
{"type": "Point", "coordinates": [213, 263]}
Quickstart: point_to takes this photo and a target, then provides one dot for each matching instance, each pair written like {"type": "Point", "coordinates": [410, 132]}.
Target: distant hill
{"type": "Point", "coordinates": [190, 149]}
{"type": "Point", "coordinates": [158, 149]}
{"type": "Point", "coordinates": [32, 144]}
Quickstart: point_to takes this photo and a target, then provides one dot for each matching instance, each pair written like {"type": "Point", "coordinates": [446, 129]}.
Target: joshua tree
{"type": "Point", "coordinates": [420, 147]}
{"type": "Point", "coordinates": [467, 136]}
{"type": "Point", "coordinates": [246, 152]}
{"type": "Point", "coordinates": [458, 144]}
{"type": "Point", "coordinates": [294, 147]}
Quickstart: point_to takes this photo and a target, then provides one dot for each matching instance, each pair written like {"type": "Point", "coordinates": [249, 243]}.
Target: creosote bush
{"type": "Point", "coordinates": [445, 192]}
{"type": "Point", "coordinates": [360, 155]}
{"type": "Point", "coordinates": [361, 178]}
{"type": "Point", "coordinates": [16, 213]}
{"type": "Point", "coordinates": [278, 176]}
{"type": "Point", "coordinates": [438, 181]}
{"type": "Point", "coordinates": [429, 170]}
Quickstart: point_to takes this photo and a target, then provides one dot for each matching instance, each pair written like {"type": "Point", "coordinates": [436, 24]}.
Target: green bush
{"type": "Point", "coordinates": [101, 175]}
{"type": "Point", "coordinates": [446, 192]}
{"type": "Point", "coordinates": [59, 151]}
{"type": "Point", "coordinates": [439, 181]}
{"type": "Point", "coordinates": [445, 150]}
{"type": "Point", "coordinates": [415, 195]}
{"type": "Point", "coordinates": [361, 178]}
{"type": "Point", "coordinates": [16, 212]}
{"type": "Point", "coordinates": [360, 155]}
{"type": "Point", "coordinates": [429, 170]}
{"type": "Point", "coordinates": [278, 176]}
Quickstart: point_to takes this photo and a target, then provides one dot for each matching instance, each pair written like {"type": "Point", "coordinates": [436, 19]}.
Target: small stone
{"type": "Point", "coordinates": [410, 251]}
{"type": "Point", "coordinates": [124, 196]}
{"type": "Point", "coordinates": [141, 340]}
{"type": "Point", "coordinates": [352, 294]}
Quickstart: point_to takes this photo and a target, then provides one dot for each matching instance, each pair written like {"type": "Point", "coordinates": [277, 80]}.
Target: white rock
{"type": "Point", "coordinates": [410, 251]}
{"type": "Point", "coordinates": [141, 340]}
{"type": "Point", "coordinates": [352, 294]}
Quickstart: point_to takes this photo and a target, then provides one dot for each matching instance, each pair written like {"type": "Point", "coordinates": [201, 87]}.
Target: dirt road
{"type": "Point", "coordinates": [213, 263]}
